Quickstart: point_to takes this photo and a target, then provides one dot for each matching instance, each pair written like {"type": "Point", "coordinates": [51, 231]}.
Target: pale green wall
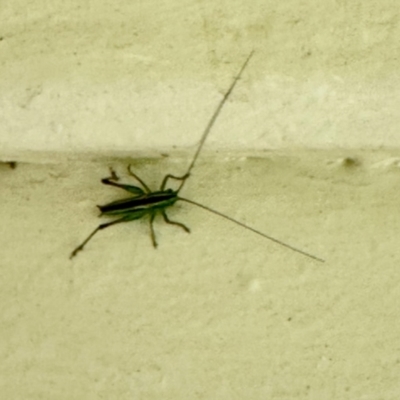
{"type": "Point", "coordinates": [220, 313]}
{"type": "Point", "coordinates": [138, 76]}
{"type": "Point", "coordinates": [217, 314]}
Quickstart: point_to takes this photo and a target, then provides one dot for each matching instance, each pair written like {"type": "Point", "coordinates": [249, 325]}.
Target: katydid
{"type": "Point", "coordinates": [145, 202]}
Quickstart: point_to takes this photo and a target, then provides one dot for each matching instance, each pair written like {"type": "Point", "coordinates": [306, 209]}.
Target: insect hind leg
{"type": "Point", "coordinates": [168, 221]}
{"type": "Point", "coordinates": [129, 188]}
{"type": "Point", "coordinates": [169, 176]}
{"type": "Point", "coordinates": [99, 228]}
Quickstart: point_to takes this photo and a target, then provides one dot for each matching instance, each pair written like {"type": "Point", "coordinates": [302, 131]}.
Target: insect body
{"type": "Point", "coordinates": [144, 202]}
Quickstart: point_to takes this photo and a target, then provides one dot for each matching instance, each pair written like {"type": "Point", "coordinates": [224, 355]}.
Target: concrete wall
{"type": "Point", "coordinates": [221, 313]}
{"type": "Point", "coordinates": [141, 76]}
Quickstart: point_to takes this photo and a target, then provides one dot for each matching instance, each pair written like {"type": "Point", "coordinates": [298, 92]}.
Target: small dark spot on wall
{"type": "Point", "coordinates": [11, 164]}
{"type": "Point", "coordinates": [350, 162]}
{"type": "Point", "coordinates": [346, 162]}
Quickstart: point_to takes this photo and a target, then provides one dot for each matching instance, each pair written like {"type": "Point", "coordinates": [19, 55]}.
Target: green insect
{"type": "Point", "coordinates": [145, 202]}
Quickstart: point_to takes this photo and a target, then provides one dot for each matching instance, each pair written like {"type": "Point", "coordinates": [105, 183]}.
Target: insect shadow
{"type": "Point", "coordinates": [145, 202]}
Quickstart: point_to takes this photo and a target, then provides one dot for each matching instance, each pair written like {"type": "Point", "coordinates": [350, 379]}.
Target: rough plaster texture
{"type": "Point", "coordinates": [217, 314]}
{"type": "Point", "coordinates": [220, 313]}
{"type": "Point", "coordinates": [139, 76]}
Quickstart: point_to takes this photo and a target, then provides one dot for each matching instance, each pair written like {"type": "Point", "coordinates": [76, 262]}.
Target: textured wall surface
{"type": "Point", "coordinates": [139, 76]}
{"type": "Point", "coordinates": [218, 314]}
{"type": "Point", "coordinates": [221, 313]}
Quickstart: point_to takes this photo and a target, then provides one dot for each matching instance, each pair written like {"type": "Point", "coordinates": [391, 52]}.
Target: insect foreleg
{"type": "Point", "coordinates": [178, 178]}
{"type": "Point", "coordinates": [168, 221]}
{"type": "Point", "coordinates": [99, 228]}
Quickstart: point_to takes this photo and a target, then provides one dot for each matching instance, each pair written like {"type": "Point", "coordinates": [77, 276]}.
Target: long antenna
{"type": "Point", "coordinates": [214, 117]}
{"type": "Point", "coordinates": [252, 229]}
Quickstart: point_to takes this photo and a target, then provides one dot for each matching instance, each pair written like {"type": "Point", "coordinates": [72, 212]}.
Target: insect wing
{"type": "Point", "coordinates": [122, 206]}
